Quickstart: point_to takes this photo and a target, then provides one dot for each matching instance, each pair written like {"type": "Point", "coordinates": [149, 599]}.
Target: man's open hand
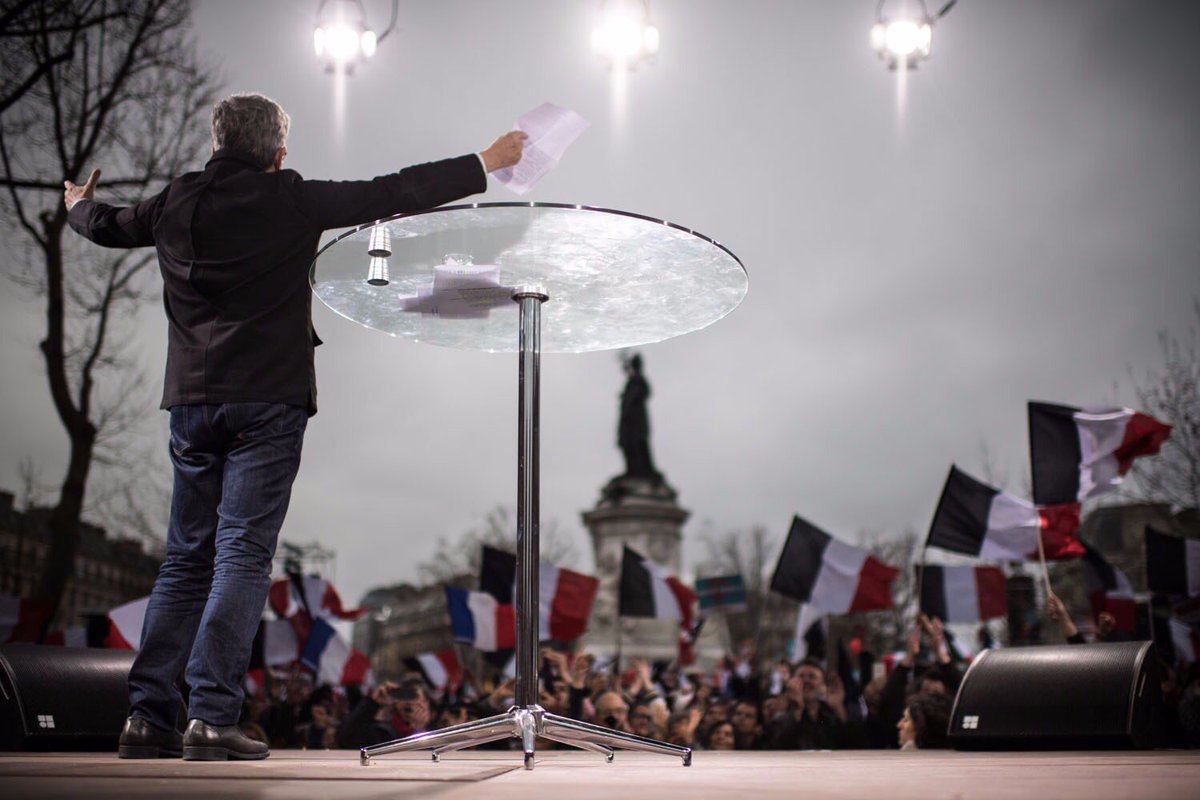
{"type": "Point", "coordinates": [72, 194]}
{"type": "Point", "coordinates": [505, 151]}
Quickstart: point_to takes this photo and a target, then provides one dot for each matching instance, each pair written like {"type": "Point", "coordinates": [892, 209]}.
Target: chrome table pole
{"type": "Point", "coordinates": [527, 720]}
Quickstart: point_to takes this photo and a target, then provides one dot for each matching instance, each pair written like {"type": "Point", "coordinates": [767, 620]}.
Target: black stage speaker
{"type": "Point", "coordinates": [62, 698]}
{"type": "Point", "coordinates": [1083, 696]}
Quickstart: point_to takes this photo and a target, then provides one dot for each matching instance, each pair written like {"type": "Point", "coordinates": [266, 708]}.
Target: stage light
{"type": "Point", "coordinates": [906, 39]}
{"type": "Point", "coordinates": [342, 36]}
{"type": "Point", "coordinates": [625, 35]}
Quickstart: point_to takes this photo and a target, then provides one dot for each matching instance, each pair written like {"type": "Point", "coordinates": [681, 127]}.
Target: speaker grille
{"type": "Point", "coordinates": [61, 696]}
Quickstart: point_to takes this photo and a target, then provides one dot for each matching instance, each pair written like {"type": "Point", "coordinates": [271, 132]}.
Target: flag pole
{"type": "Point", "coordinates": [1042, 558]}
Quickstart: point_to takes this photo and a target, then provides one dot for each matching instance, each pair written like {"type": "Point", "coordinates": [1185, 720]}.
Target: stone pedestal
{"type": "Point", "coordinates": [643, 514]}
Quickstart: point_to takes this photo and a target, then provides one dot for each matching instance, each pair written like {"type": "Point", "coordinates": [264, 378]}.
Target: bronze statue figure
{"type": "Point", "coordinates": [633, 430]}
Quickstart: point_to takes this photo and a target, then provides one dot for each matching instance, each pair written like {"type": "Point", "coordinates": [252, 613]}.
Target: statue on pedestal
{"type": "Point", "coordinates": [633, 430]}
{"type": "Point", "coordinates": [640, 478]}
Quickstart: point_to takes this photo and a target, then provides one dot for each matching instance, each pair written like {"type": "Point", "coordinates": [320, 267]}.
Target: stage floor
{"type": "Point", "coordinates": [580, 776]}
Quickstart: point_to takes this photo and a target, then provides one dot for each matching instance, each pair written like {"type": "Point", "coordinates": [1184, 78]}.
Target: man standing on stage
{"type": "Point", "coordinates": [235, 242]}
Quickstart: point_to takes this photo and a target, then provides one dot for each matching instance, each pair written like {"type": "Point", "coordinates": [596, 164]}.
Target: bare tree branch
{"type": "Point", "coordinates": [119, 86]}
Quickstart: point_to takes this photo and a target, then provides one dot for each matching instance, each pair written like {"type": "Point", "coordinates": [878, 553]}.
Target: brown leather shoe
{"type": "Point", "coordinates": [204, 742]}
{"type": "Point", "coordinates": [140, 739]}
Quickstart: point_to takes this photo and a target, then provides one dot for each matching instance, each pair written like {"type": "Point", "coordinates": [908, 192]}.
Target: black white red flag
{"type": "Point", "coordinates": [1109, 590]}
{"type": "Point", "coordinates": [833, 576]}
{"type": "Point", "coordinates": [646, 591]}
{"type": "Point", "coordinates": [962, 594]}
{"type": "Point", "coordinates": [1077, 453]}
{"type": "Point", "coordinates": [978, 520]}
{"type": "Point", "coordinates": [565, 597]}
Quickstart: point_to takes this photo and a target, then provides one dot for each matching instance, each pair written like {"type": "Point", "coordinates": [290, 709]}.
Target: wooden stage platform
{"type": "Point", "coordinates": [931, 775]}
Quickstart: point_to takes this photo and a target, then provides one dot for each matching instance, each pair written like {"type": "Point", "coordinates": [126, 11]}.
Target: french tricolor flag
{"type": "Point", "coordinates": [481, 620]}
{"type": "Point", "coordinates": [962, 594]}
{"type": "Point", "coordinates": [565, 597]}
{"type": "Point", "coordinates": [1110, 590]}
{"type": "Point", "coordinates": [978, 520]}
{"type": "Point", "coordinates": [333, 660]}
{"type": "Point", "coordinates": [441, 670]}
{"type": "Point", "coordinates": [646, 591]}
{"type": "Point", "coordinates": [1172, 564]}
{"type": "Point", "coordinates": [833, 576]}
{"type": "Point", "coordinates": [1078, 453]}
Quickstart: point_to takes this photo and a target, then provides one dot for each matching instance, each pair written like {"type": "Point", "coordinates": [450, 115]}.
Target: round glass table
{"type": "Point", "coordinates": [528, 278]}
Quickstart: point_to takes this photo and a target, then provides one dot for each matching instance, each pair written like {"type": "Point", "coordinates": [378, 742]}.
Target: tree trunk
{"type": "Point", "coordinates": [65, 518]}
{"type": "Point", "coordinates": [65, 523]}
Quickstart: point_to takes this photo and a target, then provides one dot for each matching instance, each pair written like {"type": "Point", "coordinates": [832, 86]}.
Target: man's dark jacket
{"type": "Point", "coordinates": [234, 246]}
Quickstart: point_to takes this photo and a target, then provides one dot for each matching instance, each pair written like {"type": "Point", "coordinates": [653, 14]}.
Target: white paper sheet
{"type": "Point", "coordinates": [551, 131]}
{"type": "Point", "coordinates": [460, 292]}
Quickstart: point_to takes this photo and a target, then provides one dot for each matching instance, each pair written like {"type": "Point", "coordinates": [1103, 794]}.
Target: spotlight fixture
{"type": "Point", "coordinates": [342, 37]}
{"type": "Point", "coordinates": [625, 36]}
{"type": "Point", "coordinates": [907, 38]}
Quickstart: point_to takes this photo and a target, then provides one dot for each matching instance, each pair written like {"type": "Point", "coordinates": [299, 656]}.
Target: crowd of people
{"type": "Point", "coordinates": [787, 706]}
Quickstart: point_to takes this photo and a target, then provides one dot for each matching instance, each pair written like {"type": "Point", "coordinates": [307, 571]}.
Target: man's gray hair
{"type": "Point", "coordinates": [252, 124]}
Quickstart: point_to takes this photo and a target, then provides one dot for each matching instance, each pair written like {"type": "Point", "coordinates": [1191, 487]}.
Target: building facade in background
{"type": "Point", "coordinates": [109, 571]}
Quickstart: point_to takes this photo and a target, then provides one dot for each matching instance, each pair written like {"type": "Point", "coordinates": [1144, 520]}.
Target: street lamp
{"type": "Point", "coordinates": [342, 37]}
{"type": "Point", "coordinates": [906, 39]}
{"type": "Point", "coordinates": [625, 35]}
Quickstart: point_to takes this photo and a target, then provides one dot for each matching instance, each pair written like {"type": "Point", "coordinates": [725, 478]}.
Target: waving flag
{"type": "Point", "coordinates": [316, 596]}
{"type": "Point", "coordinates": [125, 625]}
{"type": "Point", "coordinates": [481, 620]}
{"type": "Point", "coordinates": [647, 592]}
{"type": "Point", "coordinates": [1172, 564]}
{"type": "Point", "coordinates": [565, 597]}
{"type": "Point", "coordinates": [441, 670]}
{"type": "Point", "coordinates": [333, 660]}
{"type": "Point", "coordinates": [1109, 590]}
{"type": "Point", "coordinates": [831, 575]}
{"type": "Point", "coordinates": [1078, 453]}
{"type": "Point", "coordinates": [963, 594]}
{"type": "Point", "coordinates": [977, 520]}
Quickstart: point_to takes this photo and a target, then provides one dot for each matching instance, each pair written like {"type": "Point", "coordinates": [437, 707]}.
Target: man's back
{"type": "Point", "coordinates": [235, 244]}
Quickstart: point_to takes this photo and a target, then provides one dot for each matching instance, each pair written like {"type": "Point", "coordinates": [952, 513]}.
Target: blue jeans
{"type": "Point", "coordinates": [234, 465]}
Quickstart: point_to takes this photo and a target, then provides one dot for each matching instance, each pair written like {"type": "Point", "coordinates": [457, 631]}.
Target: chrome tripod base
{"type": "Point", "coordinates": [527, 724]}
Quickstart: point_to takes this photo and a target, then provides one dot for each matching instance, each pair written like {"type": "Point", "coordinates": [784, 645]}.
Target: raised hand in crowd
{"type": "Point", "coordinates": [580, 667]}
{"type": "Point", "coordinates": [383, 694]}
{"type": "Point", "coordinates": [502, 694]}
{"type": "Point", "coordinates": [1056, 610]}
{"type": "Point", "coordinates": [936, 632]}
{"type": "Point", "coordinates": [1106, 623]}
{"type": "Point", "coordinates": [912, 646]}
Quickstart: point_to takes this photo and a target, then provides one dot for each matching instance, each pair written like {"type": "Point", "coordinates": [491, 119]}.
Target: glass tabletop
{"type": "Point", "coordinates": [446, 276]}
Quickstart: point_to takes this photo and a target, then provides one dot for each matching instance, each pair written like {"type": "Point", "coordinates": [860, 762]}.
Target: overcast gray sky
{"type": "Point", "coordinates": [1024, 230]}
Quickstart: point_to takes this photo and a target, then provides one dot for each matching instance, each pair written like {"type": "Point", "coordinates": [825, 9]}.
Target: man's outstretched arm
{"type": "Point", "coordinates": [338, 204]}
{"type": "Point", "coordinates": [109, 226]}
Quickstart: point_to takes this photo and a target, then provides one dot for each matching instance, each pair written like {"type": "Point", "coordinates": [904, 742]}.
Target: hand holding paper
{"type": "Point", "coordinates": [551, 131]}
